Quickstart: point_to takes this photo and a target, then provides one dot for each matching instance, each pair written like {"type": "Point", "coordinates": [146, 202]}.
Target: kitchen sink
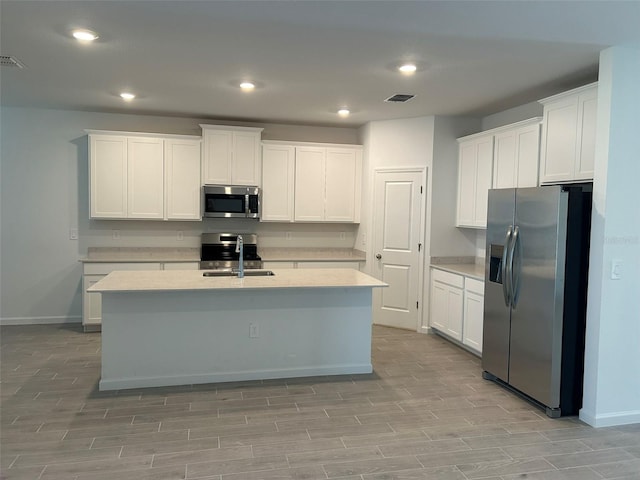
{"type": "Point", "coordinates": [247, 273]}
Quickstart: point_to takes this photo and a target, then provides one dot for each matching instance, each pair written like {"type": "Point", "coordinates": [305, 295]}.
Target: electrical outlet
{"type": "Point", "coordinates": [73, 234]}
{"type": "Point", "coordinates": [254, 331]}
{"type": "Point", "coordinates": [115, 234]}
{"type": "Point", "coordinates": [179, 235]}
{"type": "Point", "coordinates": [287, 235]}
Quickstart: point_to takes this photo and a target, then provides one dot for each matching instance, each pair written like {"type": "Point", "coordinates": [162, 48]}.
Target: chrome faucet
{"type": "Point", "coordinates": [240, 250]}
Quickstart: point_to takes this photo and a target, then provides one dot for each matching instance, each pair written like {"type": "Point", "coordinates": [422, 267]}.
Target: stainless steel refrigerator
{"type": "Point", "coordinates": [535, 293]}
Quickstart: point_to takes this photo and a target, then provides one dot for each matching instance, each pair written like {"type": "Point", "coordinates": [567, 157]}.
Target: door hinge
{"type": "Point", "coordinates": [420, 188]}
{"type": "Point", "coordinates": [419, 246]}
{"type": "Point", "coordinates": [416, 305]}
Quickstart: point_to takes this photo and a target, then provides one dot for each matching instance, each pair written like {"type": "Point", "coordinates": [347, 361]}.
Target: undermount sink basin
{"type": "Point", "coordinates": [247, 273]}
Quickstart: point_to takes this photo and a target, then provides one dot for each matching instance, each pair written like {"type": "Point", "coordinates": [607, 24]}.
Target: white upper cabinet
{"type": "Point", "coordinates": [182, 179]}
{"type": "Point", "coordinates": [108, 176]}
{"type": "Point", "coordinates": [516, 156]}
{"type": "Point", "coordinates": [278, 167]}
{"type": "Point", "coordinates": [327, 184]}
{"type": "Point", "coordinates": [311, 182]}
{"type": "Point", "coordinates": [144, 176]}
{"type": "Point", "coordinates": [231, 155]}
{"type": "Point", "coordinates": [568, 136]}
{"type": "Point", "coordinates": [342, 185]}
{"type": "Point", "coordinates": [475, 164]}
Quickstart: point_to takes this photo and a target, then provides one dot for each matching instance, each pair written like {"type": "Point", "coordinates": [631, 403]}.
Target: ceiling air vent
{"type": "Point", "coordinates": [400, 98]}
{"type": "Point", "coordinates": [9, 61]}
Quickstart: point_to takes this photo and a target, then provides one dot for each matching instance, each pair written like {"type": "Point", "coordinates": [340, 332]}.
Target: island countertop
{"type": "Point", "coordinates": [193, 280]}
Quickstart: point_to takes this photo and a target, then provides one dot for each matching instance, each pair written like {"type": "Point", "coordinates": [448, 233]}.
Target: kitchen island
{"type": "Point", "coordinates": [179, 327]}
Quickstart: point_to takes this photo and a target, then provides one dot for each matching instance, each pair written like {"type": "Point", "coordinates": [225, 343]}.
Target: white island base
{"type": "Point", "coordinates": [176, 337]}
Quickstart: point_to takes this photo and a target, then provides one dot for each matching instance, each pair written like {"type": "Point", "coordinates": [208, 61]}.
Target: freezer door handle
{"type": "Point", "coordinates": [516, 259]}
{"type": "Point", "coordinates": [506, 284]}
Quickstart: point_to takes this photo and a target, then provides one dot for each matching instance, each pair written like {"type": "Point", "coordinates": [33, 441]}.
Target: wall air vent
{"type": "Point", "coordinates": [9, 61]}
{"type": "Point", "coordinates": [400, 98]}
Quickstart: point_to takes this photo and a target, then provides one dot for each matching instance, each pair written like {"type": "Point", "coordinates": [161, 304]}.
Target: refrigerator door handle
{"type": "Point", "coordinates": [516, 257]}
{"type": "Point", "coordinates": [506, 284]}
{"type": "Point", "coordinates": [509, 278]}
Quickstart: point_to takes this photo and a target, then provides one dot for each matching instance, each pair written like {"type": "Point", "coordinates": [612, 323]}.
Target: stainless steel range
{"type": "Point", "coordinates": [218, 251]}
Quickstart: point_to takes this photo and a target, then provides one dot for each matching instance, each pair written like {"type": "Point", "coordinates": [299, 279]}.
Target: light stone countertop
{"type": "Point", "coordinates": [302, 254]}
{"type": "Point", "coordinates": [472, 270]}
{"type": "Point", "coordinates": [162, 281]}
{"type": "Point", "coordinates": [141, 254]}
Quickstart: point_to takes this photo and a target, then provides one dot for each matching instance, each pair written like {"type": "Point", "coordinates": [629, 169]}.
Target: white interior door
{"type": "Point", "coordinates": [397, 225]}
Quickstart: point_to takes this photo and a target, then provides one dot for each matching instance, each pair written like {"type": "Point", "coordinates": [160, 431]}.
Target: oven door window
{"type": "Point", "coordinates": [221, 203]}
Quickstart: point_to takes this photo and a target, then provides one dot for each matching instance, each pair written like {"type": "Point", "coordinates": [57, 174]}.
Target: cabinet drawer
{"type": "Point", "coordinates": [473, 285]}
{"type": "Point", "coordinates": [105, 268]}
{"type": "Point", "coordinates": [448, 278]}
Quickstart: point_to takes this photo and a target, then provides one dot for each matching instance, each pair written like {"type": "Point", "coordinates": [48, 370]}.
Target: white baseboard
{"type": "Point", "coordinates": [39, 320]}
{"type": "Point", "coordinates": [610, 419]}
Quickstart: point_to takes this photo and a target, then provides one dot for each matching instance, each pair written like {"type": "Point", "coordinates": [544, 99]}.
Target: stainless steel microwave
{"type": "Point", "coordinates": [231, 201]}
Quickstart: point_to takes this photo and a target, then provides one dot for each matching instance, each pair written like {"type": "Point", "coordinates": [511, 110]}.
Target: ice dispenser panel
{"type": "Point", "coordinates": [495, 263]}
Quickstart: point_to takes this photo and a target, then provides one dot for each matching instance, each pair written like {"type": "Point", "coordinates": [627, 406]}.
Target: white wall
{"type": "Point", "coordinates": [445, 239]}
{"type": "Point", "coordinates": [512, 115]}
{"type": "Point", "coordinates": [612, 357]}
{"type": "Point", "coordinates": [44, 193]}
{"type": "Point", "coordinates": [391, 143]}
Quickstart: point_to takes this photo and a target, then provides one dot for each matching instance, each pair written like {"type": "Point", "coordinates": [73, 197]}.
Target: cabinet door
{"type": "Point", "coordinates": [108, 172]}
{"type": "Point", "coordinates": [466, 183]}
{"type": "Point", "coordinates": [483, 175]}
{"type": "Point", "coordinates": [559, 130]}
{"type": "Point", "coordinates": [505, 160]}
{"type": "Point", "coordinates": [454, 313]}
{"type": "Point", "coordinates": [217, 153]}
{"type": "Point", "coordinates": [473, 315]}
{"type": "Point", "coordinates": [182, 182]}
{"type": "Point", "coordinates": [91, 301]}
{"type": "Point", "coordinates": [527, 156]}
{"type": "Point", "coordinates": [278, 164]}
{"type": "Point", "coordinates": [309, 184]}
{"type": "Point", "coordinates": [439, 306]}
{"type": "Point", "coordinates": [245, 164]}
{"type": "Point", "coordinates": [341, 182]}
{"type": "Point", "coordinates": [587, 112]}
{"type": "Point", "coordinates": [145, 183]}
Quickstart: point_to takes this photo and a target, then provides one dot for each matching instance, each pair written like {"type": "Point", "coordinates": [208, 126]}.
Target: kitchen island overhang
{"type": "Point", "coordinates": [162, 328]}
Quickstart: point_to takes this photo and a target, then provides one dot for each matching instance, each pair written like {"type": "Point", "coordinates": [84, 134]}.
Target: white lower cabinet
{"type": "Point", "coordinates": [457, 307]}
{"type": "Point", "coordinates": [473, 314]}
{"type": "Point", "coordinates": [181, 266]}
{"type": "Point", "coordinates": [446, 303]}
{"type": "Point", "coordinates": [96, 271]}
{"type": "Point", "coordinates": [317, 264]}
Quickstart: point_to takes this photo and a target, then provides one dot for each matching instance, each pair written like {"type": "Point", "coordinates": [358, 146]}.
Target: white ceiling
{"type": "Point", "coordinates": [308, 58]}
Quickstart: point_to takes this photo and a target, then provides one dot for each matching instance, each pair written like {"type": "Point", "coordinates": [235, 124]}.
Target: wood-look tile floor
{"type": "Point", "coordinates": [425, 413]}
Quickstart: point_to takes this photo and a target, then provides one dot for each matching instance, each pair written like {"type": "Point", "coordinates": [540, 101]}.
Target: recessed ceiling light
{"type": "Point", "coordinates": [344, 112]}
{"type": "Point", "coordinates": [84, 35]}
{"type": "Point", "coordinates": [127, 96]}
{"type": "Point", "coordinates": [408, 68]}
{"type": "Point", "coordinates": [247, 86]}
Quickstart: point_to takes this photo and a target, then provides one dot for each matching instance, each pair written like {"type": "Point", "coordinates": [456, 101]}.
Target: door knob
{"type": "Point", "coordinates": [379, 257]}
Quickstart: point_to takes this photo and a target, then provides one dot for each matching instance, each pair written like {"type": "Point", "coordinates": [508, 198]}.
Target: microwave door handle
{"type": "Point", "coordinates": [246, 205]}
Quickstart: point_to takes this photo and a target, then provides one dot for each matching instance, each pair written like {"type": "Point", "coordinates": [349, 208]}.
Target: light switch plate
{"type": "Point", "coordinates": [73, 234]}
{"type": "Point", "coordinates": [616, 269]}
